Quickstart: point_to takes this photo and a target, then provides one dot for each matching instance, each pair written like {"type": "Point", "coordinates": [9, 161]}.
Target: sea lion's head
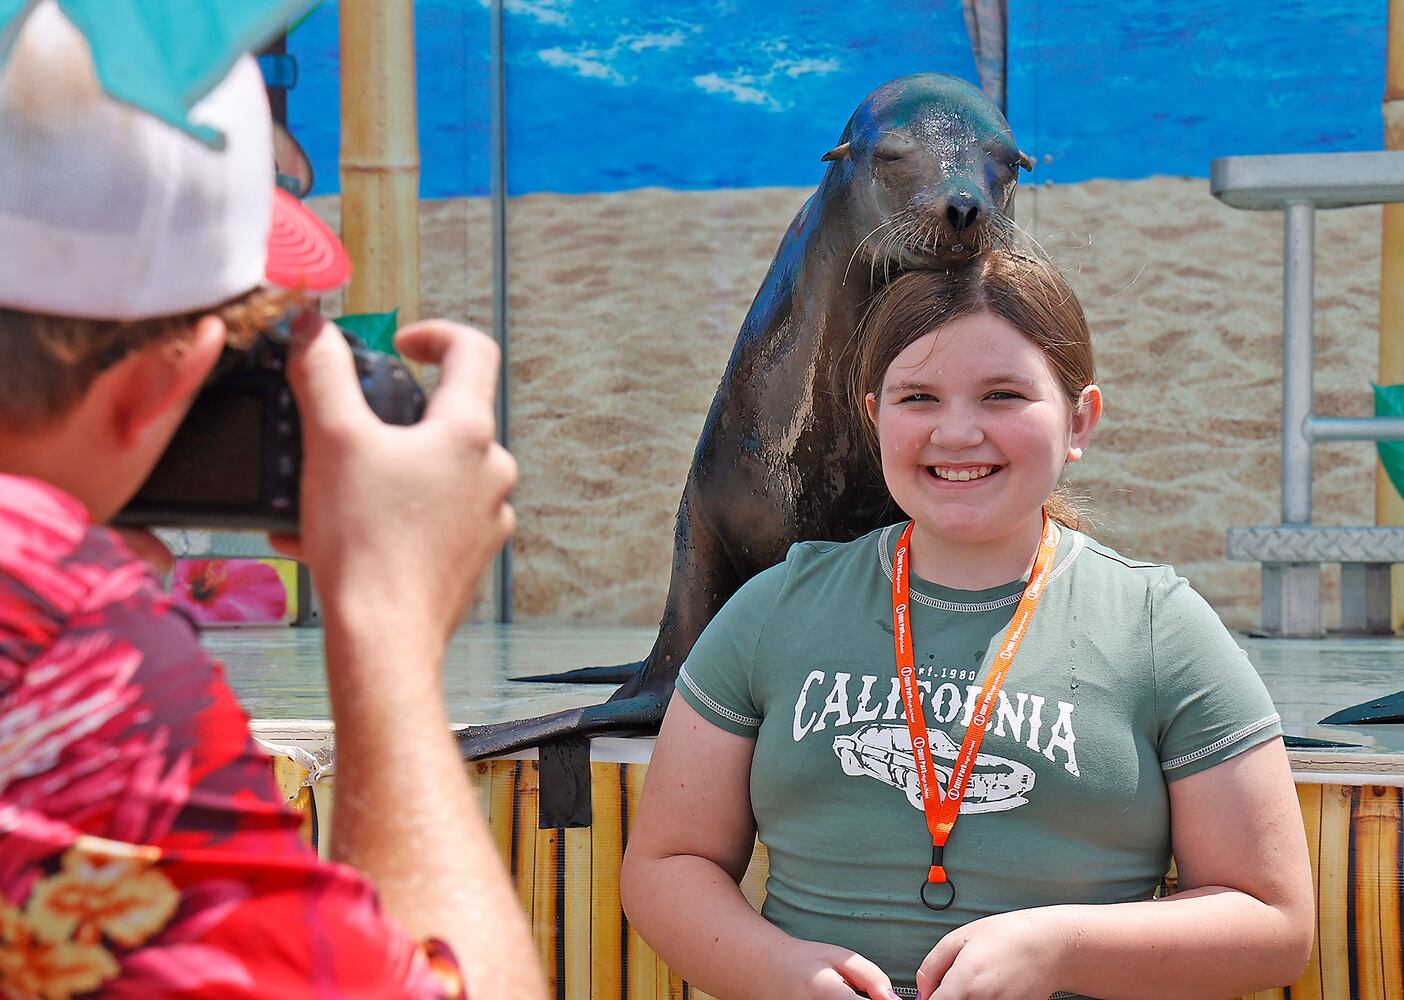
{"type": "Point", "coordinates": [930, 168]}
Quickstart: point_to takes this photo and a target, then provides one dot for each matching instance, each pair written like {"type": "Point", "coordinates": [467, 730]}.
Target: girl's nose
{"type": "Point", "coordinates": [956, 428]}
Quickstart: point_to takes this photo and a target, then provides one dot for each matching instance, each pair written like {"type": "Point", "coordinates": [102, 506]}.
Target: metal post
{"type": "Point", "coordinates": [499, 274]}
{"type": "Point", "coordinates": [1298, 278]}
{"type": "Point", "coordinates": [1389, 506]}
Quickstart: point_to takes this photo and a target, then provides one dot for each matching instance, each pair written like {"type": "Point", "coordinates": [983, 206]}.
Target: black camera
{"type": "Point", "coordinates": [236, 460]}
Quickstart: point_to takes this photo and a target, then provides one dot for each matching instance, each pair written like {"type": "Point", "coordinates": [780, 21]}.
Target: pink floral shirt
{"type": "Point", "coordinates": [145, 851]}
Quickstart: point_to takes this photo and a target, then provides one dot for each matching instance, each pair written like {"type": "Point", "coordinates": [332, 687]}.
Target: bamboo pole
{"type": "Point", "coordinates": [380, 156]}
{"type": "Point", "coordinates": [545, 911]}
{"type": "Point", "coordinates": [1389, 507]}
{"type": "Point", "coordinates": [575, 927]}
{"type": "Point", "coordinates": [606, 852]}
{"type": "Point", "coordinates": [1375, 823]}
{"type": "Point", "coordinates": [640, 961]}
{"type": "Point", "coordinates": [526, 809]}
{"type": "Point", "coordinates": [1332, 901]}
{"type": "Point", "coordinates": [1308, 986]}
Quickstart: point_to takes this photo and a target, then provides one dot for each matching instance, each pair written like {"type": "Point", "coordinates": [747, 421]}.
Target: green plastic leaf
{"type": "Point", "coordinates": [375, 330]}
{"type": "Point", "coordinates": [1389, 402]}
{"type": "Point", "coordinates": [306, 14]}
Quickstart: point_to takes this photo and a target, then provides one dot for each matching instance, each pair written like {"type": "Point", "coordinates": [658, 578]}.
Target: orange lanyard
{"type": "Point", "coordinates": [942, 810]}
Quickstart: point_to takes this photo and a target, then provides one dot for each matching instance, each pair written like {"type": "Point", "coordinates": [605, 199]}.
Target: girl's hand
{"type": "Point", "coordinates": [810, 970]}
{"type": "Point", "coordinates": [1009, 956]}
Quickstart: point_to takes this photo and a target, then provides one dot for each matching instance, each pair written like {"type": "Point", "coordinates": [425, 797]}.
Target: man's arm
{"type": "Point", "coordinates": [398, 524]}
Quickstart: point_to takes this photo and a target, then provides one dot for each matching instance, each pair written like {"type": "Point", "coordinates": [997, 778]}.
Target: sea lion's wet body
{"type": "Point", "coordinates": [925, 174]}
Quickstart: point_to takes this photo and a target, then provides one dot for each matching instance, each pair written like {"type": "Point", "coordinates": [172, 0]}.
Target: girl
{"type": "Point", "coordinates": [1077, 712]}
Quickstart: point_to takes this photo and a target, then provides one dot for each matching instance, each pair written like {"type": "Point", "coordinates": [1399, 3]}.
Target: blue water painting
{"type": "Point", "coordinates": [1142, 87]}
{"type": "Point", "coordinates": [609, 96]}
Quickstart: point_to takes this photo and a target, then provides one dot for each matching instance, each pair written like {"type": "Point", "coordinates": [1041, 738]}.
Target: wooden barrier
{"type": "Point", "coordinates": [568, 880]}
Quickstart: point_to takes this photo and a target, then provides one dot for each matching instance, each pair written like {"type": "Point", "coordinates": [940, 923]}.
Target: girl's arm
{"type": "Point", "coordinates": [688, 850]}
{"type": "Point", "coordinates": [1244, 922]}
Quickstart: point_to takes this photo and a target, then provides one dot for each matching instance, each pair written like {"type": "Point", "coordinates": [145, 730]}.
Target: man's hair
{"type": "Point", "coordinates": [47, 363]}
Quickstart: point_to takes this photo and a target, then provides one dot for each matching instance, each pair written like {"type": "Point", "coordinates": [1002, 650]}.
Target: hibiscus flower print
{"type": "Point", "coordinates": [229, 591]}
{"type": "Point", "coordinates": [35, 964]}
{"type": "Point", "coordinates": [105, 888]}
{"type": "Point", "coordinates": [105, 892]}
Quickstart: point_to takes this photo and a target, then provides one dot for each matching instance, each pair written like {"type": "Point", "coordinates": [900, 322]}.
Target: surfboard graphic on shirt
{"type": "Point", "coordinates": [996, 784]}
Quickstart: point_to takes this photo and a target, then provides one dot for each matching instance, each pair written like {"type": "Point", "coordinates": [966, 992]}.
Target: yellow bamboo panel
{"type": "Point", "coordinates": [1375, 883]}
{"type": "Point", "coordinates": [677, 988]}
{"type": "Point", "coordinates": [1309, 986]}
{"type": "Point", "coordinates": [570, 880]}
{"type": "Point", "coordinates": [641, 964]}
{"type": "Point", "coordinates": [575, 923]}
{"type": "Point", "coordinates": [606, 852]}
{"type": "Point", "coordinates": [546, 911]}
{"type": "Point", "coordinates": [662, 985]}
{"type": "Point", "coordinates": [525, 810]}
{"type": "Point", "coordinates": [1333, 891]}
{"type": "Point", "coordinates": [292, 783]}
{"type": "Point", "coordinates": [502, 796]}
{"type": "Point", "coordinates": [324, 801]}
{"type": "Point", "coordinates": [753, 882]}
{"type": "Point", "coordinates": [480, 773]}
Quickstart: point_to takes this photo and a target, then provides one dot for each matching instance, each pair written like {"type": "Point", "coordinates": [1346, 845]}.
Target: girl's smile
{"type": "Point", "coordinates": [974, 428]}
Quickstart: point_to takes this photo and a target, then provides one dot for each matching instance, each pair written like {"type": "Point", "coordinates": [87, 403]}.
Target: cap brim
{"type": "Point", "coordinates": [303, 254]}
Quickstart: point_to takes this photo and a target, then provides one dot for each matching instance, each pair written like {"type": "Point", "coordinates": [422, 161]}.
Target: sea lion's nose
{"type": "Point", "coordinates": [962, 211]}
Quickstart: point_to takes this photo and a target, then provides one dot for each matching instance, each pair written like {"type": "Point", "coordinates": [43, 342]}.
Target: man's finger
{"type": "Point", "coordinates": [322, 373]}
{"type": "Point", "coordinates": [468, 360]}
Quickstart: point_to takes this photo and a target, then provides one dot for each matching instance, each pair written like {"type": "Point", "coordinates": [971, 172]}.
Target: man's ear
{"type": "Point", "coordinates": [158, 382]}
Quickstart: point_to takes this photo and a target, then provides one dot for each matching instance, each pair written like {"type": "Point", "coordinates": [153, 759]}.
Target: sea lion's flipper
{"type": "Point", "coordinates": [640, 715]}
{"type": "Point", "coordinates": [617, 674]}
{"type": "Point", "coordinates": [1308, 743]}
{"type": "Point", "coordinates": [1377, 711]}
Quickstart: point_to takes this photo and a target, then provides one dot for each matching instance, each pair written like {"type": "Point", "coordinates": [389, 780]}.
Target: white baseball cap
{"type": "Point", "coordinates": [107, 212]}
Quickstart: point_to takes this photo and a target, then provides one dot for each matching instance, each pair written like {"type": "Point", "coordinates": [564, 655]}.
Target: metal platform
{"type": "Point", "coordinates": [278, 674]}
{"type": "Point", "coordinates": [1298, 185]}
{"type": "Point", "coordinates": [1326, 180]}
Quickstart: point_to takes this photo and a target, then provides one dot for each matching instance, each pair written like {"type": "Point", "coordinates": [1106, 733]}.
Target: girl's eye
{"type": "Point", "coordinates": [1004, 394]}
{"type": "Point", "coordinates": [917, 397]}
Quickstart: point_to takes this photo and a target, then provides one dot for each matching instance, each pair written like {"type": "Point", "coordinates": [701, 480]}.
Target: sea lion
{"type": "Point", "coordinates": [923, 176]}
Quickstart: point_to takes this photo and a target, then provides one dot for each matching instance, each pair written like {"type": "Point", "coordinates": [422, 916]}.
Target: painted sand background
{"type": "Point", "coordinates": [624, 308]}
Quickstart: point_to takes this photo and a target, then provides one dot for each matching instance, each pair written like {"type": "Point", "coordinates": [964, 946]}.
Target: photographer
{"type": "Point", "coordinates": [144, 848]}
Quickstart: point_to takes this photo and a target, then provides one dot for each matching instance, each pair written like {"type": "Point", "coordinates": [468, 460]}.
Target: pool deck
{"type": "Point", "coordinates": [278, 674]}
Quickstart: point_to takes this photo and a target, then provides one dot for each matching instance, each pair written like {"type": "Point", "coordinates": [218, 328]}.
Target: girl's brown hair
{"type": "Point", "coordinates": [1021, 287]}
{"type": "Point", "coordinates": [48, 362]}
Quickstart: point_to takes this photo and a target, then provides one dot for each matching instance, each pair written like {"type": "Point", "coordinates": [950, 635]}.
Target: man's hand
{"type": "Point", "coordinates": [415, 513]}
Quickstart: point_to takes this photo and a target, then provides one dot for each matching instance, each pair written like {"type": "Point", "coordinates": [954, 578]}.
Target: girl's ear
{"type": "Point", "coordinates": [161, 380]}
{"type": "Point", "coordinates": [1084, 421]}
{"type": "Point", "coordinates": [870, 404]}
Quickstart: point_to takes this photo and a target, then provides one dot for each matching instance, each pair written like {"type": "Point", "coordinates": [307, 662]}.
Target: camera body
{"type": "Point", "coordinates": [235, 463]}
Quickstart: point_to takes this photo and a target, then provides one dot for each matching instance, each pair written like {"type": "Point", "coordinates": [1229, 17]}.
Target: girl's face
{"type": "Point", "coordinates": [974, 428]}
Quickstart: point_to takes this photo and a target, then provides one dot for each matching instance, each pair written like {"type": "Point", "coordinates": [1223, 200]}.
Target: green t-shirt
{"type": "Point", "coordinates": [1126, 680]}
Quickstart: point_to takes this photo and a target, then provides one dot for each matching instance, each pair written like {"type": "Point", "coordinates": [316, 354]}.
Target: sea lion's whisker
{"type": "Point", "coordinates": [853, 256]}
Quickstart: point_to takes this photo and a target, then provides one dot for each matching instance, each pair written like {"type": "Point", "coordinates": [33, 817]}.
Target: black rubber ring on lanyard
{"type": "Point", "coordinates": [937, 857]}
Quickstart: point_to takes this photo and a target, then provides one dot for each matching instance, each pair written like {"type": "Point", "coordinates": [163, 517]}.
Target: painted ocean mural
{"type": "Point", "coordinates": [657, 154]}
{"type": "Point", "coordinates": [610, 95]}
